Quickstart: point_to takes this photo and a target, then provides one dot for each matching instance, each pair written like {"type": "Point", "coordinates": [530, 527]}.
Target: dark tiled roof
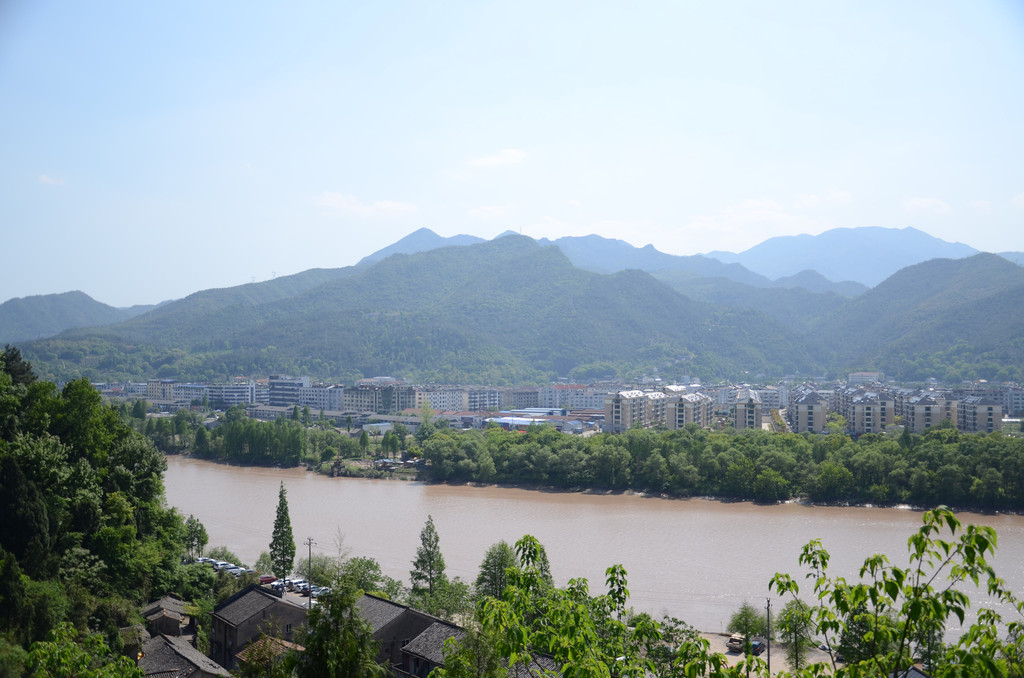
{"type": "Point", "coordinates": [167, 657]}
{"type": "Point", "coordinates": [377, 611]}
{"type": "Point", "coordinates": [169, 603]}
{"type": "Point", "coordinates": [430, 643]}
{"type": "Point", "coordinates": [246, 604]}
{"type": "Point", "coordinates": [276, 647]}
{"type": "Point", "coordinates": [546, 663]}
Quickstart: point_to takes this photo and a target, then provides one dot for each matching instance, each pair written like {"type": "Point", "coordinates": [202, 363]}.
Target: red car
{"type": "Point", "coordinates": [267, 578]}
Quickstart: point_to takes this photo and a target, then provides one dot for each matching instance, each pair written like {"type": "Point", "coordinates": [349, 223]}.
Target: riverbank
{"type": "Point", "coordinates": [696, 560]}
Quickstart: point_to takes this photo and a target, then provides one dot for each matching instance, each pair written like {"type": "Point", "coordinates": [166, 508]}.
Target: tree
{"type": "Point", "coordinates": [339, 642]}
{"type": "Point", "coordinates": [748, 621]}
{"type": "Point", "coordinates": [492, 578]}
{"type": "Point", "coordinates": [584, 636]}
{"type": "Point", "coordinates": [19, 369]}
{"type": "Point", "coordinates": [364, 442]}
{"type": "Point", "coordinates": [427, 574]}
{"type": "Point", "coordinates": [878, 620]}
{"type": "Point", "coordinates": [196, 538]}
{"type": "Point", "coordinates": [366, 575]}
{"type": "Point", "coordinates": [282, 544]}
{"type": "Point", "coordinates": [62, 656]}
{"type": "Point", "coordinates": [795, 630]}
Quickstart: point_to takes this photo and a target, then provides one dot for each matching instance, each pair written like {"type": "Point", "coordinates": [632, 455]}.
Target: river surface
{"type": "Point", "coordinates": [695, 559]}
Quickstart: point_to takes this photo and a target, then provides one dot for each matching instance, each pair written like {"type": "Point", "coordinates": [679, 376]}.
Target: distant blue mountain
{"type": "Point", "coordinates": [422, 240]}
{"type": "Point", "coordinates": [867, 254]}
{"type": "Point", "coordinates": [1015, 257]}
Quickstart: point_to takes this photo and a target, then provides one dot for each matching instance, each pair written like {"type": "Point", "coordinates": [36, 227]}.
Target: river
{"type": "Point", "coordinates": [695, 559]}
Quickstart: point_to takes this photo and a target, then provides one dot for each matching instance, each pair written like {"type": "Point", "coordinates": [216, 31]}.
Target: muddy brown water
{"type": "Point", "coordinates": [695, 559]}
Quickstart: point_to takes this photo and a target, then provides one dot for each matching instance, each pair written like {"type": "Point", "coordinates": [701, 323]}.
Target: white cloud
{"type": "Point", "coordinates": [348, 203]}
{"type": "Point", "coordinates": [839, 196]}
{"type": "Point", "coordinates": [1018, 200]}
{"type": "Point", "coordinates": [489, 212]}
{"type": "Point", "coordinates": [983, 205]}
{"type": "Point", "coordinates": [506, 156]}
{"type": "Point", "coordinates": [932, 205]}
{"type": "Point", "coordinates": [807, 200]}
{"type": "Point", "coordinates": [575, 203]}
{"type": "Point", "coordinates": [50, 181]}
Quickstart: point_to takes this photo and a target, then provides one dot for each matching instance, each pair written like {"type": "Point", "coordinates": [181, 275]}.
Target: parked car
{"type": "Point", "coordinates": [278, 585]}
{"type": "Point", "coordinates": [267, 579]}
{"type": "Point", "coordinates": [757, 646]}
{"type": "Point", "coordinates": [297, 585]}
{"type": "Point", "coordinates": [735, 642]}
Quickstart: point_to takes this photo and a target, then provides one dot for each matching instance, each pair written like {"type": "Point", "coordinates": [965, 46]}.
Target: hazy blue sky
{"type": "Point", "coordinates": [152, 149]}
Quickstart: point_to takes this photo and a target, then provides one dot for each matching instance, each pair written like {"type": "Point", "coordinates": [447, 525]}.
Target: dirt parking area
{"type": "Point", "coordinates": [778, 653]}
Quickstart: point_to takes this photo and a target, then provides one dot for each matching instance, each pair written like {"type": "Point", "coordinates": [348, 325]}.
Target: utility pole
{"type": "Point", "coordinates": [768, 639]}
{"type": "Point", "coordinates": [309, 569]}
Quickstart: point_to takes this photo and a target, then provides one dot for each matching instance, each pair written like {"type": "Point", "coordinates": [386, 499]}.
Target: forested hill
{"type": "Point", "coordinates": [501, 312]}
{"type": "Point", "coordinates": [45, 315]}
{"type": "Point", "coordinates": [945, 318]}
{"type": "Point", "coordinates": [513, 311]}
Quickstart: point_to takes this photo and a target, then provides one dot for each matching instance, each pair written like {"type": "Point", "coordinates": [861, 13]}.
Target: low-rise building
{"type": "Point", "coordinates": [244, 616]}
{"type": "Point", "coordinates": [166, 656]}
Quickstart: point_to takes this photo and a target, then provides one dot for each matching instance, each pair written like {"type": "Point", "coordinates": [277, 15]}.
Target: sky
{"type": "Point", "coordinates": [151, 150]}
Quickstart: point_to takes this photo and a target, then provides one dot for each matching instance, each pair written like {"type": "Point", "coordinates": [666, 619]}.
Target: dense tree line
{"type": "Point", "coordinates": [85, 536]}
{"type": "Point", "coordinates": [941, 466]}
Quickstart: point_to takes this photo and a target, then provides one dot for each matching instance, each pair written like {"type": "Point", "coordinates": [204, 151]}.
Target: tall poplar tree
{"type": "Point", "coordinates": [282, 544]}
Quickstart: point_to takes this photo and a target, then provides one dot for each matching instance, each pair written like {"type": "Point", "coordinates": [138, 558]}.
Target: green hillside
{"type": "Point", "coordinates": [505, 311]}
{"type": "Point", "coordinates": [513, 311]}
{"type": "Point", "coordinates": [47, 314]}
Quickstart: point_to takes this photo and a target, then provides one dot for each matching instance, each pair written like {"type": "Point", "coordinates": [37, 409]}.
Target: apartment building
{"type": "Point", "coordinates": [284, 390]}
{"type": "Point", "coordinates": [625, 409]}
{"type": "Point", "coordinates": [870, 412]}
{"type": "Point", "coordinates": [442, 399]}
{"type": "Point", "coordinates": [234, 393]}
{"type": "Point", "coordinates": [558, 395]}
{"type": "Point", "coordinates": [746, 410]}
{"type": "Point", "coordinates": [322, 397]}
{"type": "Point", "coordinates": [807, 413]}
{"type": "Point", "coordinates": [186, 394]}
{"type": "Point", "coordinates": [689, 408]}
{"type": "Point", "coordinates": [160, 390]}
{"type": "Point", "coordinates": [925, 410]}
{"type": "Point", "coordinates": [979, 414]}
{"type": "Point", "coordinates": [482, 398]}
{"type": "Point", "coordinates": [521, 398]}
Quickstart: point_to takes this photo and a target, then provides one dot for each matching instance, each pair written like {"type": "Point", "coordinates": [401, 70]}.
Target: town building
{"type": "Point", "coordinates": [746, 410]}
{"type": "Point", "coordinates": [244, 616]}
{"type": "Point", "coordinates": [284, 390]}
{"type": "Point", "coordinates": [689, 408]}
{"type": "Point", "coordinates": [925, 410]}
{"type": "Point", "coordinates": [979, 414]}
{"type": "Point", "coordinates": [807, 413]}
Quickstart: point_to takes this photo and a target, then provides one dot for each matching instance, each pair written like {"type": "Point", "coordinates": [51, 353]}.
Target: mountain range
{"type": "Point", "coordinates": [515, 310]}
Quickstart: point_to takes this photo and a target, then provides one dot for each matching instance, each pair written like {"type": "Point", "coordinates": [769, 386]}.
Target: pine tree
{"type": "Point", "coordinates": [492, 578]}
{"type": "Point", "coordinates": [282, 544]}
{"type": "Point", "coordinates": [428, 574]}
